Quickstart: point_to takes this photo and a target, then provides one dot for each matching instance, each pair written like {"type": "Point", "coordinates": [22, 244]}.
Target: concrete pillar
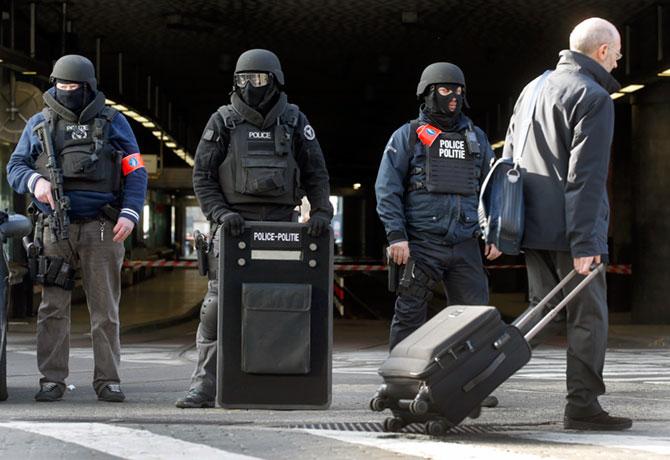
{"type": "Point", "coordinates": [651, 192]}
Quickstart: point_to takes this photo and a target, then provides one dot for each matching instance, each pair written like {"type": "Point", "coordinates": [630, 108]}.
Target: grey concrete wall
{"type": "Point", "coordinates": [651, 204]}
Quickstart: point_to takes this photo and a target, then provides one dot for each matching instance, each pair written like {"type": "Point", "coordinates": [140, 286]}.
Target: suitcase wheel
{"type": "Point", "coordinates": [393, 424]}
{"type": "Point", "coordinates": [378, 404]}
{"type": "Point", "coordinates": [490, 401]}
{"type": "Point", "coordinates": [435, 428]}
{"type": "Point", "coordinates": [418, 406]}
{"type": "Point", "coordinates": [476, 412]}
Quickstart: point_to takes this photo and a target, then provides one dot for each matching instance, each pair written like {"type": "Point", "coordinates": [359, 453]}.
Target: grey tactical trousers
{"type": "Point", "coordinates": [100, 261]}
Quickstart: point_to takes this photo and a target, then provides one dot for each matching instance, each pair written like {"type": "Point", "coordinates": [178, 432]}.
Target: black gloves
{"type": "Point", "coordinates": [232, 223]}
{"type": "Point", "coordinates": [317, 225]}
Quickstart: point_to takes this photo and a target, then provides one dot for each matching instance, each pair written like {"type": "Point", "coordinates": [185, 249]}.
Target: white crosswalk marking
{"type": "Point", "coordinates": [127, 443]}
{"type": "Point", "coordinates": [654, 445]}
{"type": "Point", "coordinates": [650, 366]}
{"type": "Point", "coordinates": [425, 448]}
{"type": "Point", "coordinates": [436, 449]}
{"type": "Point", "coordinates": [146, 355]}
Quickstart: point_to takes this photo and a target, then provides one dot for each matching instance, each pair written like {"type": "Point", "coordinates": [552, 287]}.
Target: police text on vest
{"type": "Point", "coordinates": [260, 135]}
{"type": "Point", "coordinates": [450, 148]}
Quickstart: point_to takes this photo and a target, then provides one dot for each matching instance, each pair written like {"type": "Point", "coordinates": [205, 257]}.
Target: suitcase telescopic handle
{"type": "Point", "coordinates": [523, 320]}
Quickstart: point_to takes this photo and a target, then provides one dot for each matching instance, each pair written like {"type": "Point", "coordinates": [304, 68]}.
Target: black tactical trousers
{"type": "Point", "coordinates": [586, 321]}
{"type": "Point", "coordinates": [458, 267]}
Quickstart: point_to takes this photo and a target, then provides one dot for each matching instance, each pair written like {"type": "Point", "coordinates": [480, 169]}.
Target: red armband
{"type": "Point", "coordinates": [131, 162]}
{"type": "Point", "coordinates": [427, 134]}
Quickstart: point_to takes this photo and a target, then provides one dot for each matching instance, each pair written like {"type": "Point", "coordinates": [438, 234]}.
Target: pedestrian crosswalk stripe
{"type": "Point", "coordinates": [424, 447]}
{"type": "Point", "coordinates": [654, 445]}
{"type": "Point", "coordinates": [432, 448]}
{"type": "Point", "coordinates": [621, 365]}
{"type": "Point", "coordinates": [127, 443]}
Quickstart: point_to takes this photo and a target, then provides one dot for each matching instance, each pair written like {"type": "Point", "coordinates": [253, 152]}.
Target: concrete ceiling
{"type": "Point", "coordinates": [351, 65]}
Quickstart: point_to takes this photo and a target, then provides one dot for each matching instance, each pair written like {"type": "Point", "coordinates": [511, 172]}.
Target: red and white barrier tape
{"type": "Point", "coordinates": [359, 268]}
{"type": "Point", "coordinates": [620, 269]}
{"type": "Point", "coordinates": [160, 263]}
{"type": "Point", "coordinates": [617, 269]}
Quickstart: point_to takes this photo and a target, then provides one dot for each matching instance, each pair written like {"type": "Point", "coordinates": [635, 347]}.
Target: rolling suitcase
{"type": "Point", "coordinates": [441, 373]}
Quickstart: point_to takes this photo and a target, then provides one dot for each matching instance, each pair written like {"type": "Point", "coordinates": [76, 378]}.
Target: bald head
{"type": "Point", "coordinates": [598, 39]}
{"type": "Point", "coordinates": [591, 33]}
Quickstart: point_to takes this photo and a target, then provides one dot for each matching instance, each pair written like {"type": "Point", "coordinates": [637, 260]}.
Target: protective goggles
{"type": "Point", "coordinates": [256, 79]}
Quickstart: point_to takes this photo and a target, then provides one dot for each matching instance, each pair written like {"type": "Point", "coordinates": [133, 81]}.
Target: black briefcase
{"type": "Point", "coordinates": [441, 373]}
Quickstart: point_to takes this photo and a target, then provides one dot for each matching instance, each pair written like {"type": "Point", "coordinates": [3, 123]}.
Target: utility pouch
{"type": "Point", "coordinates": [276, 320]}
{"type": "Point", "coordinates": [55, 271]}
{"type": "Point", "coordinates": [110, 212]}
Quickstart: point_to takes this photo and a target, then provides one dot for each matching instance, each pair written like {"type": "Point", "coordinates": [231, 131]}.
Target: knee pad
{"type": "Point", "coordinates": [419, 285]}
{"type": "Point", "coordinates": [209, 315]}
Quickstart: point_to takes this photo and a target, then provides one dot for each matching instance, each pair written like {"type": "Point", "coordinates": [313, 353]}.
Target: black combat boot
{"type": "Point", "coordinates": [49, 392]}
{"type": "Point", "coordinates": [111, 393]}
{"type": "Point", "coordinates": [195, 399]}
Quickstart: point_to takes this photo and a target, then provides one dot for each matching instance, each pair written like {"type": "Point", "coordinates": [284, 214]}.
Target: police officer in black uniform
{"type": "Point", "coordinates": [427, 196]}
{"type": "Point", "coordinates": [258, 156]}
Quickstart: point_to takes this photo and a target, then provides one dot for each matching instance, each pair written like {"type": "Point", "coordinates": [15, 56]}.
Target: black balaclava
{"type": "Point", "coordinates": [74, 100]}
{"type": "Point", "coordinates": [437, 106]}
{"type": "Point", "coordinates": [261, 99]}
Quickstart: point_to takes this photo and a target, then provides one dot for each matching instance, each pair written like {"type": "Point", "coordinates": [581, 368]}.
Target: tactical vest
{"type": "Point", "coordinates": [452, 160]}
{"type": "Point", "coordinates": [88, 160]}
{"type": "Point", "coordinates": [260, 165]}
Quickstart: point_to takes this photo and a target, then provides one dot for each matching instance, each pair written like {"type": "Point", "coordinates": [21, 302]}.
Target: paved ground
{"type": "Point", "coordinates": [157, 364]}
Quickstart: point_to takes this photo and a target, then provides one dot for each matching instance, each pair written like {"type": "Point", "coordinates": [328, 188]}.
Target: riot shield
{"type": "Point", "coordinates": [275, 318]}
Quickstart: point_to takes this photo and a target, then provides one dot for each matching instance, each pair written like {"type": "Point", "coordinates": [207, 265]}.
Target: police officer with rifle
{"type": "Point", "coordinates": [80, 161]}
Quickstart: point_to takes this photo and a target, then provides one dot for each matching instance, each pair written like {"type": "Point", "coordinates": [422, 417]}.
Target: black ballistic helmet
{"type": "Point", "coordinates": [73, 67]}
{"type": "Point", "coordinates": [440, 72]}
{"type": "Point", "coordinates": [260, 60]}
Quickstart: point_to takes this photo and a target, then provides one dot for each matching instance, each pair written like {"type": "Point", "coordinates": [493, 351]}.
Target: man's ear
{"type": "Point", "coordinates": [601, 52]}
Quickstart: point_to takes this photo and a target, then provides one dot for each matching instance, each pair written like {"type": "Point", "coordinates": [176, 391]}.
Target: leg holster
{"type": "Point", "coordinates": [201, 251]}
{"type": "Point", "coordinates": [204, 246]}
{"type": "Point", "coordinates": [415, 282]}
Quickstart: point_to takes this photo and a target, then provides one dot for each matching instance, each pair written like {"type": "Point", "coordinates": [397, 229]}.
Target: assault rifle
{"type": "Point", "coordinates": [59, 221]}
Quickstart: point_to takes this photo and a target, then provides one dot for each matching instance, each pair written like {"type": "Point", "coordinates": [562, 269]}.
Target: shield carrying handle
{"type": "Point", "coordinates": [523, 320]}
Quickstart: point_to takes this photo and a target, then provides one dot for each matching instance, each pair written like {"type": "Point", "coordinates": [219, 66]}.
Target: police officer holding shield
{"type": "Point", "coordinates": [258, 156]}
{"type": "Point", "coordinates": [427, 196]}
{"type": "Point", "coordinates": [88, 205]}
